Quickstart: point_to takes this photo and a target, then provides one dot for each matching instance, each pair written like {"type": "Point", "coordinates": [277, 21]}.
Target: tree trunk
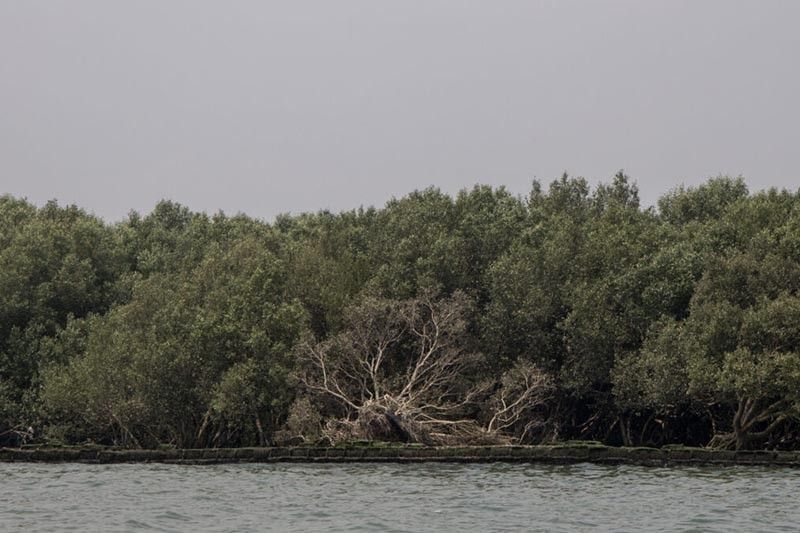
{"type": "Point", "coordinates": [261, 440]}
{"type": "Point", "coordinates": [747, 417]}
{"type": "Point", "coordinates": [625, 430]}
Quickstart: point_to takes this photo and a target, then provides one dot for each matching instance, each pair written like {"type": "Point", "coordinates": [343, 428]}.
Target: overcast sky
{"type": "Point", "coordinates": [265, 107]}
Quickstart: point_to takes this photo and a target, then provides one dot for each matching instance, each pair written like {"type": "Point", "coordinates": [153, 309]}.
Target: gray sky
{"type": "Point", "coordinates": [266, 107]}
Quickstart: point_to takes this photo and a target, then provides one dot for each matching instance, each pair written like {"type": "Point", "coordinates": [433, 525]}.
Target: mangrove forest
{"type": "Point", "coordinates": [570, 314]}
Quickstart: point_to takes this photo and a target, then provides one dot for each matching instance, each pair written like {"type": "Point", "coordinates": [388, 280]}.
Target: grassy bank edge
{"type": "Point", "coordinates": [557, 454]}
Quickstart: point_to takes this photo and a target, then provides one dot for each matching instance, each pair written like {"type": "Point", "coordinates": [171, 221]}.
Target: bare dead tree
{"type": "Point", "coordinates": [523, 391]}
{"type": "Point", "coordinates": [400, 371]}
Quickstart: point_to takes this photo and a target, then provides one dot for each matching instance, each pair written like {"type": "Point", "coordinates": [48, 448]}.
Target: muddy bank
{"type": "Point", "coordinates": [566, 453]}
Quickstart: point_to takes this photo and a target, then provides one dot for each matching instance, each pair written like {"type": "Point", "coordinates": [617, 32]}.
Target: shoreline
{"type": "Point", "coordinates": [553, 454]}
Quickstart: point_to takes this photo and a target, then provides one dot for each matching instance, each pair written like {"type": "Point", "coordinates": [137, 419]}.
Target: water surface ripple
{"type": "Point", "coordinates": [394, 497]}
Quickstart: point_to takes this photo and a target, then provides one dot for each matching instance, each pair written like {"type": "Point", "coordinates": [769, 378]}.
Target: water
{"type": "Point", "coordinates": [392, 497]}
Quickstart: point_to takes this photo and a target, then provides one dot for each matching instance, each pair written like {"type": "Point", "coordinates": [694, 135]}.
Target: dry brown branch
{"type": "Point", "coordinates": [749, 414]}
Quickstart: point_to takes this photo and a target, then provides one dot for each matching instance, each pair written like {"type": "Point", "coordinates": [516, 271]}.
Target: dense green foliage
{"type": "Point", "coordinates": [674, 324]}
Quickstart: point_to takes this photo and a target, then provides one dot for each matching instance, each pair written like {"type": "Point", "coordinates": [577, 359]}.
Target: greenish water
{"type": "Point", "coordinates": [391, 497]}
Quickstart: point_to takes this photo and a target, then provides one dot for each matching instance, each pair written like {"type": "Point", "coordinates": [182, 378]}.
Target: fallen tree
{"type": "Point", "coordinates": [400, 371]}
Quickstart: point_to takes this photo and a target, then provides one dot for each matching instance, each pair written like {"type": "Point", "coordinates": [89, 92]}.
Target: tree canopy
{"type": "Point", "coordinates": [570, 313]}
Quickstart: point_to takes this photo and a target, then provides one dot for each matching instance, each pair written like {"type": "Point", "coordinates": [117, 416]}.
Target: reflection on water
{"type": "Point", "coordinates": [387, 497]}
